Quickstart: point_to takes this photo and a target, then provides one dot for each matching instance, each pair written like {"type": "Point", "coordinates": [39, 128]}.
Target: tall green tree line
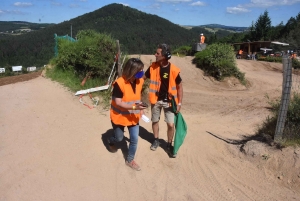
{"type": "Point", "coordinates": [138, 33]}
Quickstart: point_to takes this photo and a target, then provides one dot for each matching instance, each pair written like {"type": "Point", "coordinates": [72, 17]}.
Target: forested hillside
{"type": "Point", "coordinates": [137, 32]}
{"type": "Point", "coordinates": [17, 26]}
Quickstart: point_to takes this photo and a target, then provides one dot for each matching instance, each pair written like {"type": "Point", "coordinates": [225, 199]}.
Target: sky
{"type": "Point", "coordinates": [239, 13]}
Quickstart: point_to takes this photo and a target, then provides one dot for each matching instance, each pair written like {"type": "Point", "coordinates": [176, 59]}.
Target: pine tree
{"type": "Point", "coordinates": [263, 27]}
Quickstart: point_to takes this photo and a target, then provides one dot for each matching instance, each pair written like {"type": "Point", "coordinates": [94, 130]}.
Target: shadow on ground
{"type": "Point", "coordinates": [120, 145]}
{"type": "Point", "coordinates": [266, 139]}
{"type": "Point", "coordinates": [149, 137]}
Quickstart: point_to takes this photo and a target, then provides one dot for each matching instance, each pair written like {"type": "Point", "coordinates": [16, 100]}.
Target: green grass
{"type": "Point", "coordinates": [291, 132]}
{"type": "Point", "coordinates": [73, 83]}
{"type": "Point", "coordinates": [291, 143]}
{"type": "Point", "coordinates": [66, 78]}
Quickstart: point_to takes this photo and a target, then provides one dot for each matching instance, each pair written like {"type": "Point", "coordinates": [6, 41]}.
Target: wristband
{"type": "Point", "coordinates": [133, 107]}
{"type": "Point", "coordinates": [179, 104]}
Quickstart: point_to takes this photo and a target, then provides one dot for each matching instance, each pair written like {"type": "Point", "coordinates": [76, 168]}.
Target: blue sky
{"type": "Point", "coordinates": [182, 12]}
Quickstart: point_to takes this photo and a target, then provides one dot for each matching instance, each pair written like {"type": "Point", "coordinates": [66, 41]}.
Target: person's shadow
{"type": "Point", "coordinates": [149, 137]}
{"type": "Point", "coordinates": [143, 133]}
{"type": "Point", "coordinates": [120, 145]}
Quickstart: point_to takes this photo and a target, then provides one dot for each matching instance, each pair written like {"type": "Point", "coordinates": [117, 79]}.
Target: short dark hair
{"type": "Point", "coordinates": [164, 48]}
{"type": "Point", "coordinates": [132, 66]}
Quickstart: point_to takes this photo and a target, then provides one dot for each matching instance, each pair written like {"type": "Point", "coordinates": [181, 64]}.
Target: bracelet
{"type": "Point", "coordinates": [133, 107]}
{"type": "Point", "coordinates": [179, 104]}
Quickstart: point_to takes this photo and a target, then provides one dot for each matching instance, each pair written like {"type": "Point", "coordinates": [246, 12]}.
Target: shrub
{"type": "Point", "coordinates": [8, 71]}
{"type": "Point", "coordinates": [295, 63]}
{"type": "Point", "coordinates": [270, 59]}
{"type": "Point", "coordinates": [292, 127]}
{"type": "Point", "coordinates": [183, 51]}
{"type": "Point", "coordinates": [218, 60]}
{"type": "Point", "coordinates": [93, 53]}
{"type": "Point", "coordinates": [24, 70]}
{"type": "Point", "coordinates": [292, 123]}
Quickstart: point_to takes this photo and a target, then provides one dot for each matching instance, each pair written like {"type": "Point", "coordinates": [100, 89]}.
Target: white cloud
{"type": "Point", "coordinates": [173, 1]}
{"type": "Point", "coordinates": [198, 3]}
{"type": "Point", "coordinates": [236, 10]}
{"type": "Point", "coordinates": [22, 4]}
{"type": "Point", "coordinates": [124, 4]}
{"type": "Point", "coordinates": [269, 3]}
{"type": "Point", "coordinates": [243, 8]}
{"type": "Point", "coordinates": [17, 12]}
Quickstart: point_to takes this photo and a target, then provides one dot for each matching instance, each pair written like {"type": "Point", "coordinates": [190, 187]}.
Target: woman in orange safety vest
{"type": "Point", "coordinates": [126, 108]}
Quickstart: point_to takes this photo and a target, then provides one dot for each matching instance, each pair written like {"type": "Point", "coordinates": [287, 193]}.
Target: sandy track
{"type": "Point", "coordinates": [54, 148]}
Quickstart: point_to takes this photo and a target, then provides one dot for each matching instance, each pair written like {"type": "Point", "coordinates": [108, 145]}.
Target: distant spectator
{"type": "Point", "coordinates": [249, 56]}
{"type": "Point", "coordinates": [239, 55]}
{"type": "Point", "coordinates": [253, 55]}
{"type": "Point", "coordinates": [293, 55]}
{"type": "Point", "coordinates": [202, 38]}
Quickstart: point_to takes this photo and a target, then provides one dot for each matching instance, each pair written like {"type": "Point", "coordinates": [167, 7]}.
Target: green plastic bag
{"type": "Point", "coordinates": [180, 128]}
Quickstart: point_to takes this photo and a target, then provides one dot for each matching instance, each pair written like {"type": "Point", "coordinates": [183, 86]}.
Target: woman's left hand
{"type": "Point", "coordinates": [142, 112]}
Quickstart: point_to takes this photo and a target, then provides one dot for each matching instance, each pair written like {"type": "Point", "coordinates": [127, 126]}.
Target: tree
{"type": "Point", "coordinates": [293, 37]}
{"type": "Point", "coordinates": [291, 24]}
{"type": "Point", "coordinates": [263, 27]}
{"type": "Point", "coordinates": [252, 33]}
{"type": "Point", "coordinates": [212, 38]}
{"type": "Point", "coordinates": [277, 31]}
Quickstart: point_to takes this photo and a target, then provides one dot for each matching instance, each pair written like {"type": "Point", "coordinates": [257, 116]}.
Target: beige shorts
{"type": "Point", "coordinates": [156, 111]}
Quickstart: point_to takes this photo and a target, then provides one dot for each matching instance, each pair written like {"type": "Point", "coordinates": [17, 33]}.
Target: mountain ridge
{"type": "Point", "coordinates": [12, 24]}
{"type": "Point", "coordinates": [137, 32]}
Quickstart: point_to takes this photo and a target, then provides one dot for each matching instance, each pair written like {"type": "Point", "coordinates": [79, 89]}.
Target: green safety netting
{"type": "Point", "coordinates": [66, 37]}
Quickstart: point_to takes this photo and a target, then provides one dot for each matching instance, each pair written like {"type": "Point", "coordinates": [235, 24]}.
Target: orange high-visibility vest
{"type": "Point", "coordinates": [202, 39]}
{"type": "Point", "coordinates": [125, 117]}
{"type": "Point", "coordinates": [155, 82]}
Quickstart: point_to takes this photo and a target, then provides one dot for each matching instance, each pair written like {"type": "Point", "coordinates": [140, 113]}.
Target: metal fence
{"type": "Point", "coordinates": [287, 127]}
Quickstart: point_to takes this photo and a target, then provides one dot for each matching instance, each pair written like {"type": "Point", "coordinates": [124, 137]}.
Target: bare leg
{"type": "Point", "coordinates": [155, 143]}
{"type": "Point", "coordinates": [155, 128]}
{"type": "Point", "coordinates": [170, 132]}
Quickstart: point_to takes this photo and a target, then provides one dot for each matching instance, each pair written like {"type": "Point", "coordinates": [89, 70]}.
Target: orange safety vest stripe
{"type": "Point", "coordinates": [155, 82]}
{"type": "Point", "coordinates": [125, 117]}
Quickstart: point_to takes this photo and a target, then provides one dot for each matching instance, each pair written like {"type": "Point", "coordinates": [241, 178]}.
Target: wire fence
{"type": "Point", "coordinates": [288, 125]}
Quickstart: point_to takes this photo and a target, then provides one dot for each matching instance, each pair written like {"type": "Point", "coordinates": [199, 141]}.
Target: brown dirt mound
{"type": "Point", "coordinates": [19, 78]}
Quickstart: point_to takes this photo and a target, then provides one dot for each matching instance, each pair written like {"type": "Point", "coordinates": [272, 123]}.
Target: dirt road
{"type": "Point", "coordinates": [54, 148]}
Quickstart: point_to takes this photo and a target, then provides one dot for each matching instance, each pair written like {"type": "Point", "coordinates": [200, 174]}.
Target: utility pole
{"type": "Point", "coordinates": [119, 60]}
{"type": "Point", "coordinates": [71, 31]}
